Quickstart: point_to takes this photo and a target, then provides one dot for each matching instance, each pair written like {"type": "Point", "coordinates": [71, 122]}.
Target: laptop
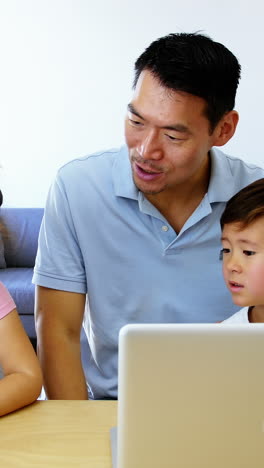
{"type": "Point", "coordinates": [190, 396]}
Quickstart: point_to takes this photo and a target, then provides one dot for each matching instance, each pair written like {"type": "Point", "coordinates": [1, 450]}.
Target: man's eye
{"type": "Point", "coordinates": [248, 253]}
{"type": "Point", "coordinates": [222, 252]}
{"type": "Point", "coordinates": [136, 123]}
{"type": "Point", "coordinates": [173, 138]}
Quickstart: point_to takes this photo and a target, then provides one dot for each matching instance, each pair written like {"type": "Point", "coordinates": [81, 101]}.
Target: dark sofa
{"type": "Point", "coordinates": [18, 248]}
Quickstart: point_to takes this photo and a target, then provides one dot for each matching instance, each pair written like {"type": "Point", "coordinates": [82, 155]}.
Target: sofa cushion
{"type": "Point", "coordinates": [20, 235]}
{"type": "Point", "coordinates": [18, 281]}
{"type": "Point", "coordinates": [29, 325]}
{"type": "Point", "coordinates": [2, 253]}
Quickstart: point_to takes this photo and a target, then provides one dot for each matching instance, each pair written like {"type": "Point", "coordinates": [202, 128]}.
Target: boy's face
{"type": "Point", "coordinates": [243, 262]}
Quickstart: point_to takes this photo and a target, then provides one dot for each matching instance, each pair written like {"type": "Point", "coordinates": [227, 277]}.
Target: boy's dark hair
{"type": "Point", "coordinates": [246, 206]}
{"type": "Point", "coordinates": [195, 64]}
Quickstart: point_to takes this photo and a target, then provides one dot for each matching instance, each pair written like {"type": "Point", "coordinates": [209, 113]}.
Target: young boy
{"type": "Point", "coordinates": [242, 224]}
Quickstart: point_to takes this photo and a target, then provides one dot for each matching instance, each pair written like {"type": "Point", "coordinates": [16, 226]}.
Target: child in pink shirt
{"type": "Point", "coordinates": [22, 380]}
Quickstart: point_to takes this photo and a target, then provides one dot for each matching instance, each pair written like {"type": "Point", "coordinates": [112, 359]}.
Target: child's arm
{"type": "Point", "coordinates": [22, 381]}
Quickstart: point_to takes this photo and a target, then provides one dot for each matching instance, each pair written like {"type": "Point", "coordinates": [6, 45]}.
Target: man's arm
{"type": "Point", "coordinates": [59, 316]}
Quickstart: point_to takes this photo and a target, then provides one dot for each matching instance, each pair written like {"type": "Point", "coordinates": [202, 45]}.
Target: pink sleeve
{"type": "Point", "coordinates": [6, 302]}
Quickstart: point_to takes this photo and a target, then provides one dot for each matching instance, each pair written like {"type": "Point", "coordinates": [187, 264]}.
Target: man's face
{"type": "Point", "coordinates": [243, 262]}
{"type": "Point", "coordinates": [167, 135]}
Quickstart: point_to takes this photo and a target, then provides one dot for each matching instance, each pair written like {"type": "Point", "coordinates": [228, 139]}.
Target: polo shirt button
{"type": "Point", "coordinates": [165, 228]}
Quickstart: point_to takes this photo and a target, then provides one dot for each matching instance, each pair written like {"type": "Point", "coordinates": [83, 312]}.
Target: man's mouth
{"type": "Point", "coordinates": [146, 173]}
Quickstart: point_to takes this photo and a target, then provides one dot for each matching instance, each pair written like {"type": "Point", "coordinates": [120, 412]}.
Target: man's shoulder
{"type": "Point", "coordinates": [234, 171]}
{"type": "Point", "coordinates": [243, 172]}
{"type": "Point", "coordinates": [100, 161]}
{"type": "Point", "coordinates": [244, 165]}
{"type": "Point", "coordinates": [236, 164]}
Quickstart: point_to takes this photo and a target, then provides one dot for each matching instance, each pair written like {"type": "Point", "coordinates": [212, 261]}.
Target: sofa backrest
{"type": "Point", "coordinates": [20, 230]}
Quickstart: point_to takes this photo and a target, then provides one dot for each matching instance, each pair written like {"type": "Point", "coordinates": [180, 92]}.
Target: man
{"type": "Point", "coordinates": [133, 235]}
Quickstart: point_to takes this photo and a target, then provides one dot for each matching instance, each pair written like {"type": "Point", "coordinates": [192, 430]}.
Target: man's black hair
{"type": "Point", "coordinates": [195, 64]}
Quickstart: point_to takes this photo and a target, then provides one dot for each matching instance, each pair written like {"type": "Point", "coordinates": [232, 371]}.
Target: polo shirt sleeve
{"type": "Point", "coordinates": [6, 302]}
{"type": "Point", "coordinates": [59, 262]}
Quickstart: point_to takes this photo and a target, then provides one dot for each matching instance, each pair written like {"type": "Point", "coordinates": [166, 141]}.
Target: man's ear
{"type": "Point", "coordinates": [226, 128]}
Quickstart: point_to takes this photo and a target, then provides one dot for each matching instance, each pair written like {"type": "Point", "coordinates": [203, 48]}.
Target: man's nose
{"type": "Point", "coordinates": [149, 147]}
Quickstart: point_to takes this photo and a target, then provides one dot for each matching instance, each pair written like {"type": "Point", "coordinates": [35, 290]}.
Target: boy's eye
{"type": "Point", "coordinates": [222, 252]}
{"type": "Point", "coordinates": [249, 252]}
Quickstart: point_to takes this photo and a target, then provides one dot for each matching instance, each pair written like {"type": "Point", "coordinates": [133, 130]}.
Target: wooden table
{"type": "Point", "coordinates": [58, 434]}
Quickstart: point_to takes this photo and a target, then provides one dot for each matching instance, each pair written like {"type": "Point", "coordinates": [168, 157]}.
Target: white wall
{"type": "Point", "coordinates": [66, 74]}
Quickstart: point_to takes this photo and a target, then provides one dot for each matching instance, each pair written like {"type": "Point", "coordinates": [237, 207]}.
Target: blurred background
{"type": "Point", "coordinates": [67, 70]}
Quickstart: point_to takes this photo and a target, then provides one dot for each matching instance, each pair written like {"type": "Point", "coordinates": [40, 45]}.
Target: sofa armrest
{"type": "Point", "coordinates": [20, 235]}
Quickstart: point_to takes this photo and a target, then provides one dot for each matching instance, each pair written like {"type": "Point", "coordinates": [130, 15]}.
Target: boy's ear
{"type": "Point", "coordinates": [226, 128]}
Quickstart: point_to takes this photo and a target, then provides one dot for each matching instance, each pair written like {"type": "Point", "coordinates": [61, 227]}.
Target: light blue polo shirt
{"type": "Point", "coordinates": [101, 236]}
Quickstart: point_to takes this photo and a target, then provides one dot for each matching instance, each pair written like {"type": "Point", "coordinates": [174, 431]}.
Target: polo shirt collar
{"type": "Point", "coordinates": [122, 176]}
{"type": "Point", "coordinates": [221, 185]}
{"type": "Point", "coordinates": [222, 182]}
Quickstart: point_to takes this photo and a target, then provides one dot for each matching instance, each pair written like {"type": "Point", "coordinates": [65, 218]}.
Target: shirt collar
{"type": "Point", "coordinates": [122, 176]}
{"type": "Point", "coordinates": [221, 185]}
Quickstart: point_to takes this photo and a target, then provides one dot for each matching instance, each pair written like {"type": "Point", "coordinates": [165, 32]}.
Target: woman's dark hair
{"type": "Point", "coordinates": [246, 206]}
{"type": "Point", "coordinates": [195, 64]}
